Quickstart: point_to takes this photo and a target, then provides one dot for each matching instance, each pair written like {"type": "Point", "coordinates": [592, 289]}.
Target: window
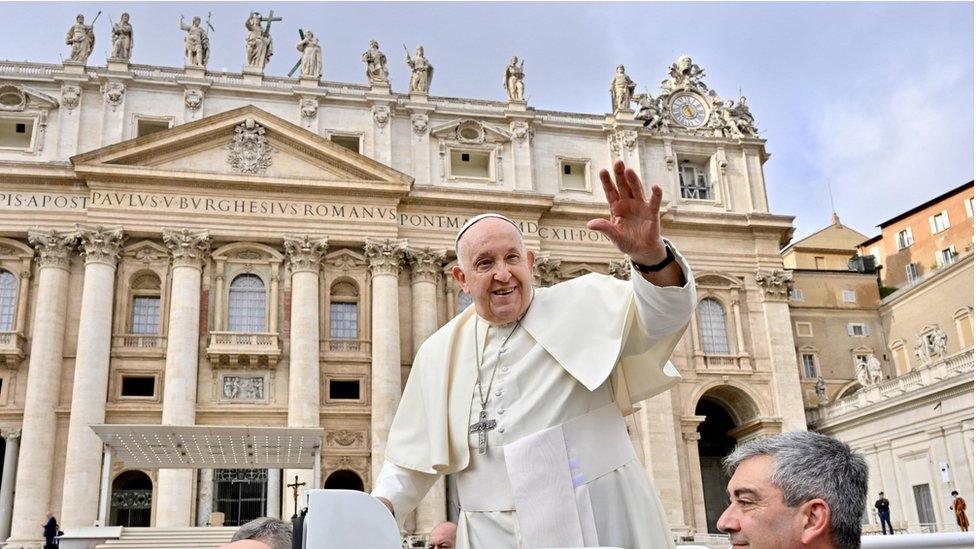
{"type": "Point", "coordinates": [471, 164]}
{"type": "Point", "coordinates": [350, 142]}
{"type": "Point", "coordinates": [946, 256]}
{"type": "Point", "coordinates": [969, 207]}
{"type": "Point", "coordinates": [146, 126]}
{"type": "Point", "coordinates": [939, 222]}
{"type": "Point", "coordinates": [344, 389]}
{"type": "Point", "coordinates": [804, 329]}
{"type": "Point", "coordinates": [905, 238]}
{"type": "Point", "coordinates": [712, 327]}
{"type": "Point", "coordinates": [344, 321]}
{"type": "Point", "coordinates": [857, 329]}
{"type": "Point", "coordinates": [911, 272]}
{"type": "Point", "coordinates": [809, 365]}
{"type": "Point", "coordinates": [145, 315]}
{"type": "Point", "coordinates": [796, 294]}
{"type": "Point", "coordinates": [16, 133]}
{"type": "Point", "coordinates": [8, 300]}
{"type": "Point", "coordinates": [923, 505]}
{"type": "Point", "coordinates": [138, 386]}
{"type": "Point", "coordinates": [694, 183]}
{"type": "Point", "coordinates": [574, 175]}
{"type": "Point", "coordinates": [850, 296]}
{"type": "Point", "coordinates": [819, 263]}
{"type": "Point", "coordinates": [245, 311]}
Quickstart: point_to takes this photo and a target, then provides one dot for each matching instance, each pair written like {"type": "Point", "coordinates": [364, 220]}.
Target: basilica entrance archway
{"type": "Point", "coordinates": [344, 479]}
{"type": "Point", "coordinates": [240, 494]}
{"type": "Point", "coordinates": [131, 499]}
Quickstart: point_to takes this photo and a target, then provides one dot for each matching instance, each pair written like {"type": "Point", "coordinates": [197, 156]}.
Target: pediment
{"type": "Point", "coordinates": [16, 97]}
{"type": "Point", "coordinates": [245, 144]}
{"type": "Point", "coordinates": [473, 132]}
{"type": "Point", "coordinates": [146, 251]}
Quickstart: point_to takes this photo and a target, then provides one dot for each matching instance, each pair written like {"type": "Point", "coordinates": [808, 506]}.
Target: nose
{"type": "Point", "coordinates": [727, 522]}
{"type": "Point", "coordinates": [502, 273]}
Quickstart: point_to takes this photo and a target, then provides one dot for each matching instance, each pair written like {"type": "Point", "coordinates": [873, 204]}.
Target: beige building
{"type": "Point", "coordinates": [184, 247]}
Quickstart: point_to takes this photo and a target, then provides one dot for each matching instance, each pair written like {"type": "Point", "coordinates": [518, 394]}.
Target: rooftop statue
{"type": "Point", "coordinates": [81, 38]}
{"type": "Point", "coordinates": [196, 42]}
{"type": "Point", "coordinates": [376, 71]}
{"type": "Point", "coordinates": [122, 39]}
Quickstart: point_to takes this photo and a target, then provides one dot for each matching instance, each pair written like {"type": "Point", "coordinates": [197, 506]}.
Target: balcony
{"type": "Point", "coordinates": [344, 349]}
{"type": "Point", "coordinates": [138, 345]}
{"type": "Point", "coordinates": [243, 349]}
{"type": "Point", "coordinates": [740, 363]}
{"type": "Point", "coordinates": [11, 348]}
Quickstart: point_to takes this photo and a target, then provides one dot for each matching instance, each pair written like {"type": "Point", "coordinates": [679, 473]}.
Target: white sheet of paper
{"type": "Point", "coordinates": [339, 519]}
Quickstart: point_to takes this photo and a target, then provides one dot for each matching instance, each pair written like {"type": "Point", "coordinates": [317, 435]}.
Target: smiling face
{"type": "Point", "coordinates": [757, 517]}
{"type": "Point", "coordinates": [495, 270]}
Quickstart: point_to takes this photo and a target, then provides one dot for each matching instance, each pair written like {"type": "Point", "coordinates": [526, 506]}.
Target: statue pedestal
{"type": "Point", "coordinates": [418, 97]}
{"type": "Point", "coordinates": [253, 76]}
{"type": "Point", "coordinates": [380, 88]}
{"type": "Point", "coordinates": [517, 105]}
{"type": "Point", "coordinates": [195, 71]}
{"type": "Point", "coordinates": [118, 65]}
{"type": "Point", "coordinates": [624, 114]}
{"type": "Point", "coordinates": [309, 82]}
{"type": "Point", "coordinates": [74, 67]}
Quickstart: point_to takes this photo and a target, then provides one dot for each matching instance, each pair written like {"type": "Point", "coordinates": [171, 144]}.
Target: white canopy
{"type": "Point", "coordinates": [212, 446]}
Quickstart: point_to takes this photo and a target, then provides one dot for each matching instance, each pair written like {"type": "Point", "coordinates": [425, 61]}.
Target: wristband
{"type": "Point", "coordinates": [668, 259]}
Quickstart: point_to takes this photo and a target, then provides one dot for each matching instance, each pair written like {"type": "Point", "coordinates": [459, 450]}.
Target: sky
{"type": "Point", "coordinates": [874, 99]}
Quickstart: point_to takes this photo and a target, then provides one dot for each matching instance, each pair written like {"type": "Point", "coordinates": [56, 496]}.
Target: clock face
{"type": "Point", "coordinates": [688, 110]}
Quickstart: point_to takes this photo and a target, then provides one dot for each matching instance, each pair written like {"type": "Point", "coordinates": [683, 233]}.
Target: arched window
{"type": "Point", "coordinates": [131, 499]}
{"type": "Point", "coordinates": [8, 300]}
{"type": "Point", "coordinates": [463, 301]}
{"type": "Point", "coordinates": [245, 312]}
{"type": "Point", "coordinates": [144, 317]}
{"type": "Point", "coordinates": [712, 328]}
{"type": "Point", "coordinates": [344, 311]}
{"type": "Point", "coordinates": [344, 479]}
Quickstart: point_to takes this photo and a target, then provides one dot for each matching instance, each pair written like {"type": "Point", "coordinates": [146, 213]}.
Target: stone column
{"type": "Point", "coordinates": [32, 495]}
{"type": "Point", "coordinates": [691, 437]}
{"type": "Point", "coordinates": [205, 485]}
{"type": "Point", "coordinates": [83, 462]}
{"type": "Point", "coordinates": [425, 270]}
{"type": "Point", "coordinates": [174, 489]}
{"type": "Point", "coordinates": [523, 167]}
{"type": "Point", "coordinates": [304, 258]}
{"type": "Point", "coordinates": [775, 287]}
{"type": "Point", "coordinates": [7, 483]}
{"type": "Point", "coordinates": [274, 494]}
{"type": "Point", "coordinates": [385, 257]}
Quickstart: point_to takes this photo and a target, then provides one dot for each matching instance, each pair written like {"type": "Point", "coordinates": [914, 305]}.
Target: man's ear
{"type": "Point", "coordinates": [530, 255]}
{"type": "Point", "coordinates": [816, 524]}
{"type": "Point", "coordinates": [458, 275]}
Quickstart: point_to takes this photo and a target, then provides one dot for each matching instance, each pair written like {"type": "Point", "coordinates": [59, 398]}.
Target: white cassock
{"type": "Point", "coordinates": [560, 470]}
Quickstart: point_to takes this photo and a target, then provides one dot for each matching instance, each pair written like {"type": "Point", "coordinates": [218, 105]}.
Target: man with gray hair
{"type": "Point", "coordinates": [795, 490]}
{"type": "Point", "coordinates": [274, 533]}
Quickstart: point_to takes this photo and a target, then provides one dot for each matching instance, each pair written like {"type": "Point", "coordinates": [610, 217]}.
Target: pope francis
{"type": "Point", "coordinates": [522, 396]}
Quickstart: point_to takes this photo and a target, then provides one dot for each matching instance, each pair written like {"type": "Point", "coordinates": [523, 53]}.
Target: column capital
{"type": "Point", "coordinates": [305, 253]}
{"type": "Point", "coordinates": [53, 247]}
{"type": "Point", "coordinates": [100, 244]}
{"type": "Point", "coordinates": [13, 434]}
{"type": "Point", "coordinates": [619, 268]}
{"type": "Point", "coordinates": [692, 436]}
{"type": "Point", "coordinates": [385, 256]}
{"type": "Point", "coordinates": [546, 269]}
{"type": "Point", "coordinates": [775, 284]}
{"type": "Point", "coordinates": [187, 248]}
{"type": "Point", "coordinates": [426, 264]}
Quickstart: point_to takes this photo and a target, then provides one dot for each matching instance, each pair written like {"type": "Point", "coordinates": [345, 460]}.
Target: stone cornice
{"type": "Point", "coordinates": [426, 264]}
{"type": "Point", "coordinates": [53, 247]}
{"type": "Point", "coordinates": [304, 253]}
{"type": "Point", "coordinates": [385, 256]}
{"type": "Point", "coordinates": [187, 248]}
{"type": "Point", "coordinates": [100, 244]}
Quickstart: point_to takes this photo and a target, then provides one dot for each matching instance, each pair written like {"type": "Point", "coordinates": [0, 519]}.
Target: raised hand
{"type": "Point", "coordinates": [635, 222]}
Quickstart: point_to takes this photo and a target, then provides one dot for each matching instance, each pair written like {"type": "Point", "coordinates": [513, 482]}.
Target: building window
{"type": "Point", "coordinates": [246, 309]}
{"type": "Point", "coordinates": [574, 175]}
{"type": "Point", "coordinates": [344, 389]}
{"type": "Point", "coordinates": [911, 271]}
{"type": "Point", "coordinates": [694, 183]}
{"type": "Point", "coordinates": [969, 207]}
{"type": "Point", "coordinates": [939, 222]}
{"type": "Point", "coordinates": [16, 133]}
{"type": "Point", "coordinates": [804, 329]}
{"type": "Point", "coordinates": [471, 164]}
{"type": "Point", "coordinates": [857, 329]}
{"type": "Point", "coordinates": [923, 505]}
{"type": "Point", "coordinates": [964, 326]}
{"type": "Point", "coordinates": [850, 296]}
{"type": "Point", "coordinates": [8, 300]}
{"type": "Point", "coordinates": [138, 386]}
{"type": "Point", "coordinates": [946, 256]}
{"type": "Point", "coordinates": [145, 315]}
{"type": "Point", "coordinates": [819, 263]}
{"type": "Point", "coordinates": [905, 238]}
{"type": "Point", "coordinates": [147, 126]}
{"type": "Point", "coordinates": [712, 327]}
{"type": "Point", "coordinates": [876, 252]}
{"type": "Point", "coordinates": [809, 365]}
{"type": "Point", "coordinates": [344, 311]}
{"type": "Point", "coordinates": [796, 294]}
{"type": "Point", "coordinates": [350, 142]}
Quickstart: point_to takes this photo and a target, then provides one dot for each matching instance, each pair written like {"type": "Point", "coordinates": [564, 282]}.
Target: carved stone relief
{"type": "Point", "coordinates": [114, 93]}
{"type": "Point", "coordinates": [419, 123]}
{"type": "Point", "coordinates": [250, 151]}
{"type": "Point", "coordinates": [309, 108]}
{"type": "Point", "coordinates": [345, 437]}
{"type": "Point", "coordinates": [70, 96]}
{"type": "Point", "coordinates": [547, 270]}
{"type": "Point", "coordinates": [236, 387]}
{"type": "Point", "coordinates": [193, 99]}
{"type": "Point", "coordinates": [381, 115]}
{"type": "Point", "coordinates": [775, 283]}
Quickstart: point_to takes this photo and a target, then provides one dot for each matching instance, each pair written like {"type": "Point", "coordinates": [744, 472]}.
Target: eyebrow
{"type": "Point", "coordinates": [488, 254]}
{"type": "Point", "coordinates": [745, 491]}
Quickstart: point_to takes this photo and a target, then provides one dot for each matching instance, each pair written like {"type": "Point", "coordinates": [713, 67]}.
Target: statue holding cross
{"type": "Point", "coordinates": [258, 44]}
{"type": "Point", "coordinates": [294, 493]}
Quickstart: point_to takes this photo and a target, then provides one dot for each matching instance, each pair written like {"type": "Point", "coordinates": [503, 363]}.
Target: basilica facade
{"type": "Point", "coordinates": [187, 247]}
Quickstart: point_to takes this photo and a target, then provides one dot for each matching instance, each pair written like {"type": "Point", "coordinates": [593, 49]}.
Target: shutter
{"type": "Point", "coordinates": [932, 225]}
{"type": "Point", "coordinates": [945, 218]}
{"type": "Point", "coordinates": [850, 329]}
{"type": "Point", "coordinates": [911, 238]}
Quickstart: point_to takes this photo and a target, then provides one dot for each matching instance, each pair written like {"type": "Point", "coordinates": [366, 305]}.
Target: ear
{"type": "Point", "coordinates": [458, 273]}
{"type": "Point", "coordinates": [816, 523]}
{"type": "Point", "coordinates": [530, 255]}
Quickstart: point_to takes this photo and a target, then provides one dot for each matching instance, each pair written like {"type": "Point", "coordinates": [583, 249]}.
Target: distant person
{"type": "Point", "coordinates": [442, 536]}
{"type": "Point", "coordinates": [273, 533]}
{"type": "Point", "coordinates": [51, 531]}
{"type": "Point", "coordinates": [959, 506]}
{"type": "Point", "coordinates": [884, 513]}
{"type": "Point", "coordinates": [795, 490]}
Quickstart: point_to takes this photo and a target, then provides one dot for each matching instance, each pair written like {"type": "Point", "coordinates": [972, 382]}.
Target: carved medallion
{"type": "Point", "coordinates": [114, 93]}
{"type": "Point", "coordinates": [381, 115]}
{"type": "Point", "coordinates": [345, 438]}
{"type": "Point", "coordinates": [309, 108]}
{"type": "Point", "coordinates": [419, 122]}
{"type": "Point", "coordinates": [250, 151]}
{"type": "Point", "coordinates": [193, 99]}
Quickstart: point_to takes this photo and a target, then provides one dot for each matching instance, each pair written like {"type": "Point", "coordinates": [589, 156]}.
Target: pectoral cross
{"type": "Point", "coordinates": [294, 488]}
{"type": "Point", "coordinates": [482, 427]}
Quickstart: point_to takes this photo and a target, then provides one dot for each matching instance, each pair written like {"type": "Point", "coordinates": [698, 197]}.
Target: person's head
{"type": "Point", "coordinates": [495, 269]}
{"type": "Point", "coordinates": [374, 44]}
{"type": "Point", "coordinates": [80, 18]}
{"type": "Point", "coordinates": [420, 51]}
{"type": "Point", "coordinates": [442, 536]}
{"type": "Point", "coordinates": [125, 17]}
{"type": "Point", "coordinates": [799, 489]}
{"type": "Point", "coordinates": [513, 60]}
{"type": "Point", "coordinates": [954, 493]}
{"type": "Point", "coordinates": [196, 21]}
{"type": "Point", "coordinates": [880, 494]}
{"type": "Point", "coordinates": [274, 533]}
{"type": "Point", "coordinates": [620, 69]}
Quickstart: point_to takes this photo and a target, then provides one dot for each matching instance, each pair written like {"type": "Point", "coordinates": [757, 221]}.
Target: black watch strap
{"type": "Point", "coordinates": [668, 259]}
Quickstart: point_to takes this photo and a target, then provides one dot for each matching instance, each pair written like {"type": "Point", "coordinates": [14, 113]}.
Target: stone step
{"type": "Point", "coordinates": [170, 538]}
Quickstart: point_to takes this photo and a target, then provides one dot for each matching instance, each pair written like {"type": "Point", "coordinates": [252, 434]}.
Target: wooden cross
{"type": "Point", "coordinates": [268, 20]}
{"type": "Point", "coordinates": [482, 427]}
{"type": "Point", "coordinates": [294, 488]}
